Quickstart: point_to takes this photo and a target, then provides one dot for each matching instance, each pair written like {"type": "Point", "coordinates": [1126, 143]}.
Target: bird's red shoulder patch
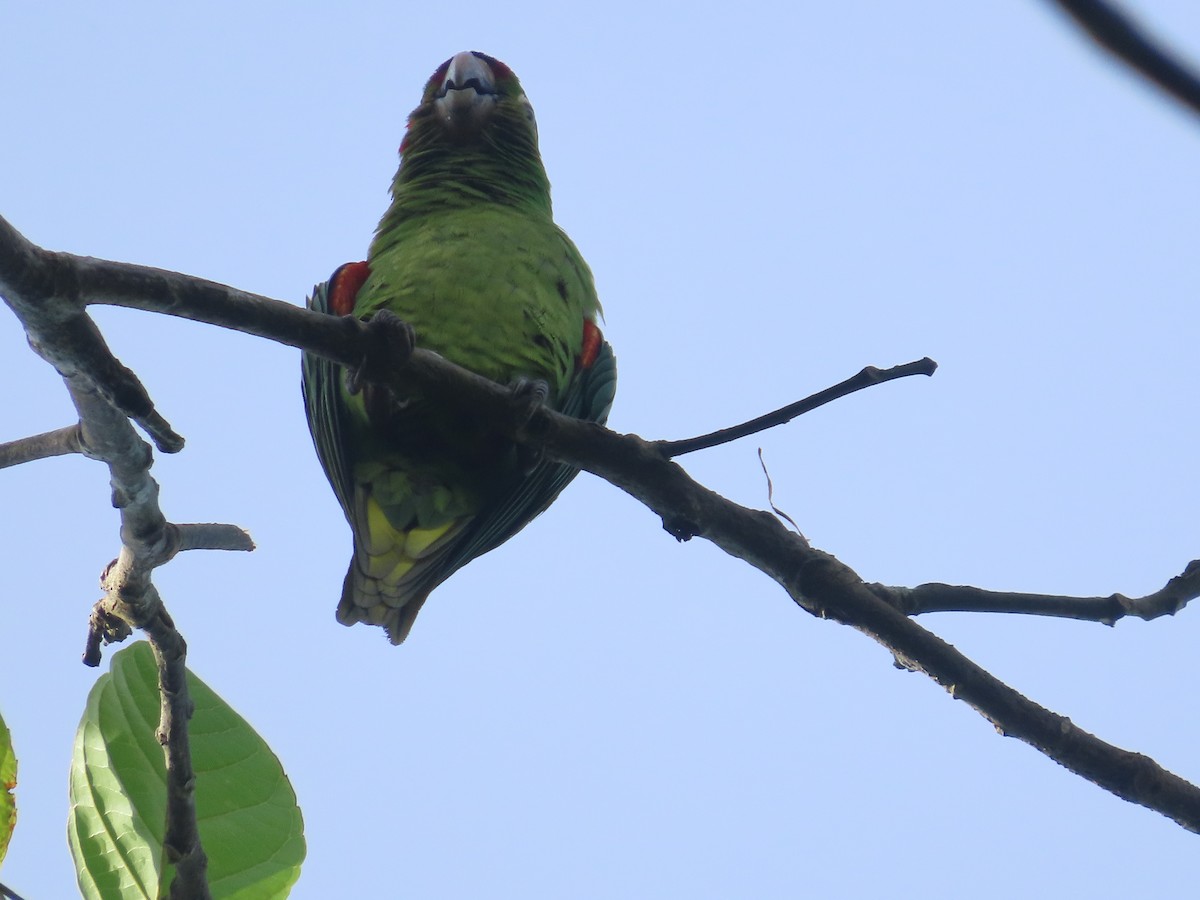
{"type": "Point", "coordinates": [344, 287]}
{"type": "Point", "coordinates": [591, 344]}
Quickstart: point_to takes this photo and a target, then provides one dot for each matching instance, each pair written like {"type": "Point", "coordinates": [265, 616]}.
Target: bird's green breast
{"type": "Point", "coordinates": [494, 289]}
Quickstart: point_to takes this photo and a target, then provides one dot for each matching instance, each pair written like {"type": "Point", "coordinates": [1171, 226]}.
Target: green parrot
{"type": "Point", "coordinates": [469, 255]}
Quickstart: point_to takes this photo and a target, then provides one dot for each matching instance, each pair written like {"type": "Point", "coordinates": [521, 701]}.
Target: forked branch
{"type": "Point", "coordinates": [815, 580]}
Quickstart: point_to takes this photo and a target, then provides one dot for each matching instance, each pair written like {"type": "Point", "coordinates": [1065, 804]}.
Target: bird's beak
{"type": "Point", "coordinates": [468, 92]}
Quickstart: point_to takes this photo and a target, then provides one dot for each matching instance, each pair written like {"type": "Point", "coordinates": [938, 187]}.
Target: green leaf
{"type": "Point", "coordinates": [8, 781]}
{"type": "Point", "coordinates": [250, 824]}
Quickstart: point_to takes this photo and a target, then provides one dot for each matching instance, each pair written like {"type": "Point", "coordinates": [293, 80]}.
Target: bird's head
{"type": "Point", "coordinates": [472, 97]}
{"type": "Point", "coordinates": [473, 139]}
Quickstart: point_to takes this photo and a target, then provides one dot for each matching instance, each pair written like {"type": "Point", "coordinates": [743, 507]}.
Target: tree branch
{"type": "Point", "coordinates": [59, 442]}
{"type": "Point", "coordinates": [50, 304]}
{"type": "Point", "coordinates": [212, 536]}
{"type": "Point", "coordinates": [866, 378]}
{"type": "Point", "coordinates": [43, 292]}
{"type": "Point", "coordinates": [32, 279]}
{"type": "Point", "coordinates": [828, 588]}
{"type": "Point", "coordinates": [926, 598]}
{"type": "Point", "coordinates": [815, 580]}
{"type": "Point", "coordinates": [1120, 35]}
{"type": "Point", "coordinates": [131, 600]}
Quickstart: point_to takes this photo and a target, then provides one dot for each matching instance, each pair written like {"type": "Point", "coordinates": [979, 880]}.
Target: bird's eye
{"type": "Point", "coordinates": [529, 117]}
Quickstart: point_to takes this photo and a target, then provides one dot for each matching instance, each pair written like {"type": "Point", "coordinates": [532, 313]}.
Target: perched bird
{"type": "Point", "coordinates": [469, 255]}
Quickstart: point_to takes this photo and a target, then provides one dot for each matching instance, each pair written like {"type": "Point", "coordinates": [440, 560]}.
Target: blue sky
{"type": "Point", "coordinates": [771, 196]}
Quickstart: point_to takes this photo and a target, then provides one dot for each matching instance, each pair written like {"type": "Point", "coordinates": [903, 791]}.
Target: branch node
{"type": "Point", "coordinates": [103, 628]}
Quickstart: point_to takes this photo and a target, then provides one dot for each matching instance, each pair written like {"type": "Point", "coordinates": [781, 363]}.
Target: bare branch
{"type": "Point", "coordinates": [181, 841]}
{"type": "Point", "coordinates": [131, 600]}
{"type": "Point", "coordinates": [868, 377]}
{"type": "Point", "coordinates": [826, 587]}
{"type": "Point", "coordinates": [926, 598]}
{"type": "Point", "coordinates": [59, 442]}
{"type": "Point", "coordinates": [1117, 32]}
{"type": "Point", "coordinates": [815, 580]}
{"type": "Point", "coordinates": [40, 288]}
{"type": "Point", "coordinates": [213, 536]}
{"type": "Point", "coordinates": [31, 278]}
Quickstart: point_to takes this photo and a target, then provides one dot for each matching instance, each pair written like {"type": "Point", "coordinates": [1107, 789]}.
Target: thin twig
{"type": "Point", "coordinates": [927, 598]}
{"type": "Point", "coordinates": [1118, 33]}
{"type": "Point", "coordinates": [59, 442]}
{"type": "Point", "coordinates": [212, 536]}
{"type": "Point", "coordinates": [8, 893]}
{"type": "Point", "coordinates": [868, 377]}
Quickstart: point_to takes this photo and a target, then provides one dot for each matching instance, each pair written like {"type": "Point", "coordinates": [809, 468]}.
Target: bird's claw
{"type": "Point", "coordinates": [528, 395]}
{"type": "Point", "coordinates": [388, 342]}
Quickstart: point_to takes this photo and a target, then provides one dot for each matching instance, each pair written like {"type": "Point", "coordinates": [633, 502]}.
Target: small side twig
{"type": "Point", "coordinates": [109, 623]}
{"type": "Point", "coordinates": [868, 377]}
{"type": "Point", "coordinates": [935, 597]}
{"type": "Point", "coordinates": [212, 536]}
{"type": "Point", "coordinates": [59, 442]}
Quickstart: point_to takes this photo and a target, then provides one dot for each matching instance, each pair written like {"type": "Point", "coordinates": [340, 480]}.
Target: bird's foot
{"type": "Point", "coordinates": [388, 343]}
{"type": "Point", "coordinates": [527, 396]}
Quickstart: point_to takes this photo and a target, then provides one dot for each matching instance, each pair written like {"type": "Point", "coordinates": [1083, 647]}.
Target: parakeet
{"type": "Point", "coordinates": [469, 255]}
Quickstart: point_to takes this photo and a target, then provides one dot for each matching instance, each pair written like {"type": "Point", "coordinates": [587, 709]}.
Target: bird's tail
{"type": "Point", "coordinates": [393, 570]}
{"type": "Point", "coordinates": [372, 600]}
